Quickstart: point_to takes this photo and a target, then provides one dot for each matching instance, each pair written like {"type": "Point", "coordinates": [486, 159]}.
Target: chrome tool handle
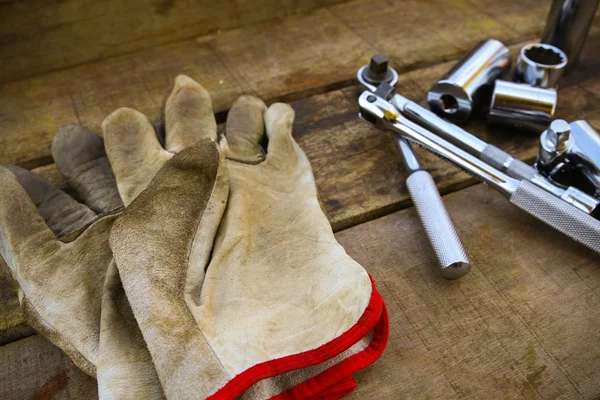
{"type": "Point", "coordinates": [558, 214]}
{"type": "Point", "coordinates": [444, 240]}
{"type": "Point", "coordinates": [489, 154]}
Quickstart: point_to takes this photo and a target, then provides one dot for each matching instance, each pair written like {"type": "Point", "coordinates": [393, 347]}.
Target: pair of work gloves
{"type": "Point", "coordinates": [194, 266]}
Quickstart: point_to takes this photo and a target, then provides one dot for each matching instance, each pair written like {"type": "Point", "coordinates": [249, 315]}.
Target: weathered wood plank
{"type": "Point", "coordinates": [522, 324]}
{"type": "Point", "coordinates": [40, 35]}
{"type": "Point", "coordinates": [31, 111]}
{"type": "Point", "coordinates": [417, 33]}
{"type": "Point", "coordinates": [34, 368]}
{"type": "Point", "coordinates": [286, 58]}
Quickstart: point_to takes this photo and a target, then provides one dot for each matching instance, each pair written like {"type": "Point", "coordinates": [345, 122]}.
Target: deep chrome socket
{"type": "Point", "coordinates": [540, 65]}
{"type": "Point", "coordinates": [568, 25]}
{"type": "Point", "coordinates": [522, 106]}
{"type": "Point", "coordinates": [468, 84]}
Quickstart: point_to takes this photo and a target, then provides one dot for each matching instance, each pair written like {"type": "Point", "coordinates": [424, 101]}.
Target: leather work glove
{"type": "Point", "coordinates": [59, 254]}
{"type": "Point", "coordinates": [273, 306]}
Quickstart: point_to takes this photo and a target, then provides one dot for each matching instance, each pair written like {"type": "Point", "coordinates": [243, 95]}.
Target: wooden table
{"type": "Point", "coordinates": [524, 324]}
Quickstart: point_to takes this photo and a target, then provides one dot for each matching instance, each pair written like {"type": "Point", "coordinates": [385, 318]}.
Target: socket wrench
{"type": "Point", "coordinates": [568, 25]}
{"type": "Point", "coordinates": [449, 251]}
{"type": "Point", "coordinates": [447, 247]}
{"type": "Point", "coordinates": [540, 65]}
{"type": "Point", "coordinates": [467, 85]}
{"type": "Point", "coordinates": [524, 194]}
{"type": "Point", "coordinates": [570, 155]}
{"type": "Point", "coordinates": [492, 155]}
{"type": "Point", "coordinates": [521, 106]}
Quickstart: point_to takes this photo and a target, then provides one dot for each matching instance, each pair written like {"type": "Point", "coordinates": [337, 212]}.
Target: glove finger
{"type": "Point", "coordinates": [245, 129]}
{"type": "Point", "coordinates": [80, 157]}
{"type": "Point", "coordinates": [24, 235]}
{"type": "Point", "coordinates": [160, 271]}
{"type": "Point", "coordinates": [282, 152]}
{"type": "Point", "coordinates": [63, 214]}
{"type": "Point", "coordinates": [188, 115]}
{"type": "Point", "coordinates": [133, 150]}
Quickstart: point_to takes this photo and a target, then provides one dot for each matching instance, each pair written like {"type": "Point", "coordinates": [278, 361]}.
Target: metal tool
{"type": "Point", "coordinates": [568, 25]}
{"type": "Point", "coordinates": [527, 196]}
{"type": "Point", "coordinates": [492, 155]}
{"type": "Point", "coordinates": [467, 86]}
{"type": "Point", "coordinates": [540, 65]}
{"type": "Point", "coordinates": [522, 106]}
{"type": "Point", "coordinates": [449, 251]}
{"type": "Point", "coordinates": [377, 72]}
{"type": "Point", "coordinates": [570, 155]}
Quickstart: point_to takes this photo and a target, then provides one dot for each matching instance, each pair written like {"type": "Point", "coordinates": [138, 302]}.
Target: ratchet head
{"type": "Point", "coordinates": [570, 155]}
{"type": "Point", "coordinates": [376, 110]}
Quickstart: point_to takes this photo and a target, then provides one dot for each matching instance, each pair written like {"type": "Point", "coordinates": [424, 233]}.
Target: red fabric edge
{"type": "Point", "coordinates": [338, 390]}
{"type": "Point", "coordinates": [313, 388]}
{"type": "Point", "coordinates": [371, 317]}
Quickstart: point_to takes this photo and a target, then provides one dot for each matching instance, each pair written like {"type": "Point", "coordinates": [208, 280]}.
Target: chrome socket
{"type": "Point", "coordinates": [467, 86]}
{"type": "Point", "coordinates": [569, 155]}
{"type": "Point", "coordinates": [568, 25]}
{"type": "Point", "coordinates": [522, 106]}
{"type": "Point", "coordinates": [540, 65]}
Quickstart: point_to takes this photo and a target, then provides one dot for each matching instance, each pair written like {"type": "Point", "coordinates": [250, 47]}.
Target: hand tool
{"type": "Point", "coordinates": [568, 25]}
{"type": "Point", "coordinates": [540, 65]}
{"type": "Point", "coordinates": [491, 155]}
{"type": "Point", "coordinates": [527, 196]}
{"type": "Point", "coordinates": [522, 106]}
{"type": "Point", "coordinates": [570, 155]}
{"type": "Point", "coordinates": [467, 85]}
{"type": "Point", "coordinates": [449, 251]}
{"type": "Point", "coordinates": [377, 72]}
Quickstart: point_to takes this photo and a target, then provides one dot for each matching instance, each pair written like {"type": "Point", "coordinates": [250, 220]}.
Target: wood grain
{"type": "Point", "coordinates": [41, 35]}
{"type": "Point", "coordinates": [358, 172]}
{"type": "Point", "coordinates": [523, 324]}
{"type": "Point", "coordinates": [34, 368]}
{"type": "Point", "coordinates": [281, 59]}
{"type": "Point", "coordinates": [417, 33]}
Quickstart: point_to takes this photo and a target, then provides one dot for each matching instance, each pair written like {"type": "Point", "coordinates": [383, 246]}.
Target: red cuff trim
{"type": "Point", "coordinates": [371, 317]}
{"type": "Point", "coordinates": [338, 390]}
{"type": "Point", "coordinates": [313, 387]}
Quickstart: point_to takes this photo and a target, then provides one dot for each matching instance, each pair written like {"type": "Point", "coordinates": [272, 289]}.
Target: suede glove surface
{"type": "Point", "coordinates": [274, 293]}
{"type": "Point", "coordinates": [58, 252]}
{"type": "Point", "coordinates": [238, 286]}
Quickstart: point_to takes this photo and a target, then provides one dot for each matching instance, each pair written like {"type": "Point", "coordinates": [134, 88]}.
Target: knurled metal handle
{"type": "Point", "coordinates": [439, 228]}
{"type": "Point", "coordinates": [558, 214]}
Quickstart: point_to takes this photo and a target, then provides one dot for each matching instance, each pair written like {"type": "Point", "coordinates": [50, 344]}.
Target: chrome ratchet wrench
{"type": "Point", "coordinates": [452, 258]}
{"type": "Point", "coordinates": [491, 154]}
{"type": "Point", "coordinates": [526, 195]}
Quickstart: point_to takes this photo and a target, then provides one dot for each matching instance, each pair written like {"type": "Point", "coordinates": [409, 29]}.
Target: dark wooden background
{"type": "Point", "coordinates": [524, 324]}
